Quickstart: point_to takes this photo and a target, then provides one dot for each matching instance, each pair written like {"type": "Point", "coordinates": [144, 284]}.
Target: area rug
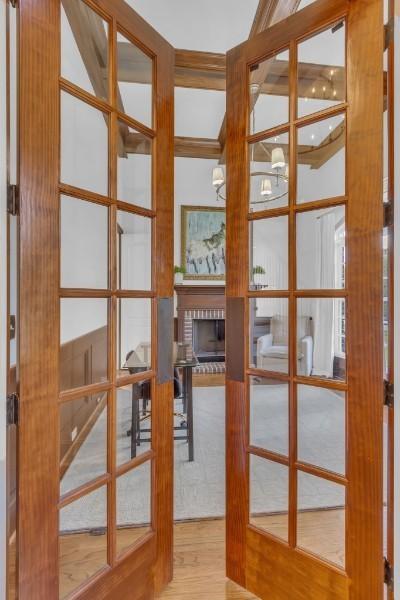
{"type": "Point", "coordinates": [200, 485]}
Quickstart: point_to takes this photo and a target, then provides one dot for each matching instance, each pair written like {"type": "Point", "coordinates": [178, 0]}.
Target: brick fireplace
{"type": "Point", "coordinates": [201, 323]}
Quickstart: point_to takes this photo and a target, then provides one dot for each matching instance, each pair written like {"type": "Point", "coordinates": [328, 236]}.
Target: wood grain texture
{"type": "Point", "coordinates": [163, 284]}
{"type": "Point", "coordinates": [364, 309]}
{"type": "Point", "coordinates": [39, 311]}
{"type": "Point", "coordinates": [275, 571]}
{"type": "Point", "coordinates": [236, 287]}
{"type": "Point", "coordinates": [270, 565]}
{"type": "Point", "coordinates": [390, 374]}
{"type": "Point", "coordinates": [130, 578]}
{"type": "Point", "coordinates": [199, 555]}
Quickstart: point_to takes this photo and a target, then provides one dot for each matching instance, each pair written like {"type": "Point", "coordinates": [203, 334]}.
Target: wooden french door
{"type": "Point", "coordinates": [304, 255]}
{"type": "Point", "coordinates": [96, 164]}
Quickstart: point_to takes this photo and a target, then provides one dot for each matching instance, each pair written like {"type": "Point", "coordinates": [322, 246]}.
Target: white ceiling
{"type": "Point", "coordinates": [207, 25]}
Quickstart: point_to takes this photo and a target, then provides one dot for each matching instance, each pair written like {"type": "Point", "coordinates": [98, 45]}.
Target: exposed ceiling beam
{"type": "Point", "coordinates": [187, 147]}
{"type": "Point", "coordinates": [268, 13]}
{"type": "Point", "coordinates": [197, 148]}
{"type": "Point", "coordinates": [91, 40]}
{"type": "Point", "coordinates": [317, 156]}
{"type": "Point", "coordinates": [312, 156]}
{"type": "Point", "coordinates": [202, 70]}
{"type": "Point", "coordinates": [200, 61]}
{"type": "Point", "coordinates": [208, 148]}
{"type": "Point", "coordinates": [207, 70]}
{"type": "Point", "coordinates": [92, 43]}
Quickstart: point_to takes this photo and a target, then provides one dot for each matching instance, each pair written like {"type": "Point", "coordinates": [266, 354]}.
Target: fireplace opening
{"type": "Point", "coordinates": [209, 339]}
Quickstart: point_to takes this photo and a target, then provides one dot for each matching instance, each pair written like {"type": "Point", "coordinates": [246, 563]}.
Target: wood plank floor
{"type": "Point", "coordinates": [199, 559]}
{"type": "Point", "coordinates": [199, 554]}
{"type": "Point", "coordinates": [199, 564]}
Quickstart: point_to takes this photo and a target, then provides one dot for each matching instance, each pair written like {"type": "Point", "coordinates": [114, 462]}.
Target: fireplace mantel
{"type": "Point", "coordinates": [196, 297]}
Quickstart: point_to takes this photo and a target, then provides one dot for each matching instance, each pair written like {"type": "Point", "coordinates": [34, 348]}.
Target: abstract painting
{"type": "Point", "coordinates": [203, 235]}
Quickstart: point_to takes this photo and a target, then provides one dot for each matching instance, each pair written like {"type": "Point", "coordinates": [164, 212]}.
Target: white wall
{"type": "Point", "coordinates": [193, 186]}
{"type": "Point", "coordinates": [3, 299]}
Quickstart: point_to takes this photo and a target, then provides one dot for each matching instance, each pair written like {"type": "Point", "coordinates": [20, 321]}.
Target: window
{"type": "Point", "coordinates": [340, 305]}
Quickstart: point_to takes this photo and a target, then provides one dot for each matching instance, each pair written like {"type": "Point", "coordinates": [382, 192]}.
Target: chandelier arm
{"type": "Point", "coordinates": [269, 199]}
{"type": "Point", "coordinates": [269, 174]}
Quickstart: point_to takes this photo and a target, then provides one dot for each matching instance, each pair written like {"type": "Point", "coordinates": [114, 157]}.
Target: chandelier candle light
{"type": "Point", "coordinates": [279, 168]}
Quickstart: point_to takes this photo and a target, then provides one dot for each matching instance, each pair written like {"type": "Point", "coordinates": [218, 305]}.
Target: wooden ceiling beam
{"type": "Point", "coordinates": [201, 70]}
{"type": "Point", "coordinates": [312, 156]}
{"type": "Point", "coordinates": [92, 43]}
{"type": "Point", "coordinates": [186, 147]}
{"type": "Point", "coordinates": [208, 148]}
{"type": "Point", "coordinates": [200, 61]}
{"type": "Point", "coordinates": [317, 156]}
{"type": "Point", "coordinates": [268, 13]}
{"type": "Point", "coordinates": [91, 40]}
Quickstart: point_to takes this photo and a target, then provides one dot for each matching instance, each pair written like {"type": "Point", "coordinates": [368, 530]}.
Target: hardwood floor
{"type": "Point", "coordinates": [199, 557]}
{"type": "Point", "coordinates": [199, 564]}
{"type": "Point", "coordinates": [199, 561]}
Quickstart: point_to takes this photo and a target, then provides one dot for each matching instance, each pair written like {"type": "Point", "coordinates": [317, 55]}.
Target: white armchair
{"type": "Point", "coordinates": [272, 348]}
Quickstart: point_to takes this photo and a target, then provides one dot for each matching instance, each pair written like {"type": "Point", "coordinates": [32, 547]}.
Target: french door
{"type": "Point", "coordinates": [96, 164]}
{"type": "Point", "coordinates": [304, 389]}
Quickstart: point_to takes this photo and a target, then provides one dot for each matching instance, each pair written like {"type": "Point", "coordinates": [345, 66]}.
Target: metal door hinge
{"type": "Point", "coordinates": [388, 394]}
{"type": "Point", "coordinates": [12, 327]}
{"type": "Point", "coordinates": [12, 409]}
{"type": "Point", "coordinates": [13, 200]}
{"type": "Point", "coordinates": [388, 214]}
{"type": "Point", "coordinates": [388, 574]}
{"type": "Point", "coordinates": [388, 33]}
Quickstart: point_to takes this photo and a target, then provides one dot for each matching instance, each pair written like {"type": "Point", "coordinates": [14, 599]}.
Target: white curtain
{"type": "Point", "coordinates": [324, 309]}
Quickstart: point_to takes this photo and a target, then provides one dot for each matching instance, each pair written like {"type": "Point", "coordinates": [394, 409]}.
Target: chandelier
{"type": "Point", "coordinates": [279, 172]}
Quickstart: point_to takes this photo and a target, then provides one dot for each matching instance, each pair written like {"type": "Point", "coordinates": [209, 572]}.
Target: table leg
{"type": "Point", "coordinates": [135, 410]}
{"type": "Point", "coordinates": [184, 390]}
{"type": "Point", "coordinates": [189, 392]}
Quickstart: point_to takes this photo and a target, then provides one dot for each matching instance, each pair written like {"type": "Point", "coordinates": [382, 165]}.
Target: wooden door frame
{"type": "Point", "coordinates": [390, 412]}
{"type": "Point", "coordinates": [39, 140]}
{"type": "Point", "coordinates": [252, 557]}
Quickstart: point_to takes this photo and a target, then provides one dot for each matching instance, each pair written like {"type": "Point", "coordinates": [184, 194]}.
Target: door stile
{"type": "Point", "coordinates": [390, 410]}
{"type": "Point", "coordinates": [364, 329]}
{"type": "Point", "coordinates": [163, 431]}
{"type": "Point", "coordinates": [237, 482]}
{"type": "Point", "coordinates": [113, 301]}
{"type": "Point", "coordinates": [292, 538]}
{"type": "Point", "coordinates": [39, 277]}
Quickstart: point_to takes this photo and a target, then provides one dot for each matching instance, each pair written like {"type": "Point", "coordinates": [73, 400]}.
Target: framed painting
{"type": "Point", "coordinates": [203, 236]}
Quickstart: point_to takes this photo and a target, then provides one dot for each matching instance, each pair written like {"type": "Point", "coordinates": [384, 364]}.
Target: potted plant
{"type": "Point", "coordinates": [258, 275]}
{"type": "Point", "coordinates": [179, 273]}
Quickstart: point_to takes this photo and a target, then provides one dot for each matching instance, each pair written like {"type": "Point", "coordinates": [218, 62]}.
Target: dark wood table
{"type": "Point", "coordinates": [187, 401]}
{"type": "Point", "coordinates": [141, 391]}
